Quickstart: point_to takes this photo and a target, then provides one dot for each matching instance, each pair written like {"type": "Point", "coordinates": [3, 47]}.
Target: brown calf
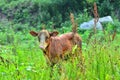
{"type": "Point", "coordinates": [55, 47]}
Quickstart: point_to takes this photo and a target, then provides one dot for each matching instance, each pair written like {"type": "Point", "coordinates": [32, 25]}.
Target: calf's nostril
{"type": "Point", "coordinates": [42, 47]}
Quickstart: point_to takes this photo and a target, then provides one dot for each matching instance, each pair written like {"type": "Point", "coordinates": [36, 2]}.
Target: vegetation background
{"type": "Point", "coordinates": [21, 58]}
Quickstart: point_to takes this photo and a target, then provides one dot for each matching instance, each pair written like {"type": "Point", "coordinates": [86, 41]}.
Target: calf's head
{"type": "Point", "coordinates": [44, 37]}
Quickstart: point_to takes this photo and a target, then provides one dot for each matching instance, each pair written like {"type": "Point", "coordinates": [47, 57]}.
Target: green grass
{"type": "Point", "coordinates": [27, 62]}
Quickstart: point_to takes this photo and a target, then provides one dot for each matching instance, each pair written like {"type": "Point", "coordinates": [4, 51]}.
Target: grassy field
{"type": "Point", "coordinates": [23, 60]}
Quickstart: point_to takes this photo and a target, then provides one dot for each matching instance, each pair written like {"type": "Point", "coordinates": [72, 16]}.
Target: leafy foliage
{"type": "Point", "coordinates": [35, 12]}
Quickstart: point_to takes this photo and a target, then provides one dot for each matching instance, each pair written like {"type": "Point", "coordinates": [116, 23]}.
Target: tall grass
{"type": "Point", "coordinates": [23, 60]}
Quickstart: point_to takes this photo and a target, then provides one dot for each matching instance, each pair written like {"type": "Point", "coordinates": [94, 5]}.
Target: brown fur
{"type": "Point", "coordinates": [59, 45]}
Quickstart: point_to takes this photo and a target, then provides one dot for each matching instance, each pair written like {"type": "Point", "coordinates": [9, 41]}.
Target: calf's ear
{"type": "Point", "coordinates": [33, 33]}
{"type": "Point", "coordinates": [54, 33]}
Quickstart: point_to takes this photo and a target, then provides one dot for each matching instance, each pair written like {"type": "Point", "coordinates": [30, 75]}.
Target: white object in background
{"type": "Point", "coordinates": [106, 19]}
{"type": "Point", "coordinates": [90, 24]}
